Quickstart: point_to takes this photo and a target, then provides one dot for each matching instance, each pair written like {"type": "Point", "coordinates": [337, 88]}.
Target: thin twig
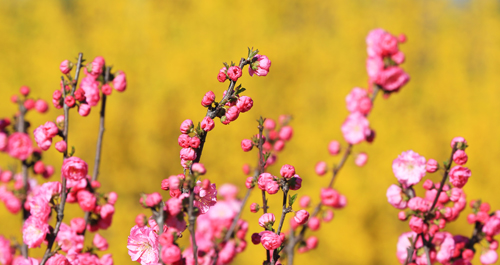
{"type": "Point", "coordinates": [24, 171]}
{"type": "Point", "coordinates": [64, 192]}
{"type": "Point", "coordinates": [284, 211]}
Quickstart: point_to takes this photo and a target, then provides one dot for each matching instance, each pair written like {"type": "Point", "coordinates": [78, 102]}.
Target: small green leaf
{"type": "Point", "coordinates": [72, 151]}
{"type": "Point", "coordinates": [240, 91]}
{"type": "Point", "coordinates": [292, 199]}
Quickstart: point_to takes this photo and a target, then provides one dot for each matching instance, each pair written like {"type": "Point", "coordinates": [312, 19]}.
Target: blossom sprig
{"type": "Point", "coordinates": [443, 202]}
{"type": "Point", "coordinates": [196, 197]}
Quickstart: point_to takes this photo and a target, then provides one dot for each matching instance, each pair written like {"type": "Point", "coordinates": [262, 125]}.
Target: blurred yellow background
{"type": "Point", "coordinates": [171, 52]}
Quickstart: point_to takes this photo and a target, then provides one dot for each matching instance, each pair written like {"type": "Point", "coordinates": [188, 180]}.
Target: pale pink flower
{"type": "Point", "coordinates": [74, 168]}
{"type": "Point", "coordinates": [270, 240]}
{"type": "Point", "coordinates": [445, 253]}
{"type": "Point", "coordinates": [409, 168]}
{"type": "Point", "coordinates": [187, 154]}
{"type": "Point", "coordinates": [106, 259]}
{"type": "Point", "coordinates": [84, 110]}
{"type": "Point", "coordinates": [398, 57]}
{"type": "Point", "coordinates": [459, 176]}
{"type": "Point", "coordinates": [492, 226]}
{"type": "Point", "coordinates": [374, 66]}
{"type": "Point", "coordinates": [269, 124]}
{"type": "Point", "coordinates": [41, 138]}
{"type": "Point", "coordinates": [419, 204]}
{"type": "Point", "coordinates": [395, 197]}
{"type": "Point", "coordinates": [314, 223]}
{"type": "Point", "coordinates": [6, 251]}
{"type": "Point", "coordinates": [20, 260]}
{"type": "Point", "coordinates": [301, 217]}
{"type": "Point", "coordinates": [142, 245]}
{"type": "Point", "coordinates": [232, 113]}
{"type": "Point", "coordinates": [61, 146]}
{"type": "Point", "coordinates": [388, 44]}
{"type": "Point", "coordinates": [100, 242]}
{"type": "Point", "coordinates": [489, 257]}
{"type": "Point", "coordinates": [77, 224]}
{"type": "Point", "coordinates": [97, 65]}
{"type": "Point", "coordinates": [272, 187]}
{"type": "Point", "coordinates": [329, 197]}
{"type": "Point", "coordinates": [153, 199]}
{"type": "Point", "coordinates": [304, 201]}
{"type": "Point", "coordinates": [227, 253]}
{"type": "Point", "coordinates": [86, 200]}
{"type": "Point", "coordinates": [334, 147]}
{"type": "Point", "coordinates": [321, 168]}
{"type": "Point", "coordinates": [267, 219]}
{"type": "Point", "coordinates": [286, 133]}
{"type": "Point", "coordinates": [34, 231]}
{"type": "Point", "coordinates": [208, 99]}
{"type": "Point", "coordinates": [39, 207]}
{"type": "Point", "coordinates": [460, 140]}
{"type": "Point", "coordinates": [244, 103]}
{"type": "Point", "coordinates": [260, 67]}
{"type": "Point", "coordinates": [205, 198]}
{"type": "Point", "coordinates": [403, 245]}
{"type": "Point", "coordinates": [91, 88]}
{"type": "Point", "coordinates": [263, 179]}
{"type": "Point", "coordinates": [416, 224]}
{"type": "Point", "coordinates": [357, 101]}
{"type": "Point", "coordinates": [361, 159]}
{"type": "Point", "coordinates": [120, 81]}
{"type": "Point", "coordinates": [19, 146]}
{"type": "Point", "coordinates": [373, 41]}
{"type": "Point", "coordinates": [69, 240]}
{"type": "Point", "coordinates": [355, 128]}
{"type": "Point", "coordinates": [228, 191]}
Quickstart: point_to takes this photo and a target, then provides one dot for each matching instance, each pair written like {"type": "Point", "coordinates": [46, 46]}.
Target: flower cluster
{"type": "Point", "coordinates": [193, 198]}
{"type": "Point", "coordinates": [442, 204]}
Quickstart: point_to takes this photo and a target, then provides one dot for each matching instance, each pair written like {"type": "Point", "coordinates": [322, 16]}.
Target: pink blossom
{"type": "Point", "coordinates": [120, 81]}
{"type": "Point", "coordinates": [314, 223]}
{"type": "Point", "coordinates": [187, 154]}
{"type": "Point", "coordinates": [100, 242]}
{"type": "Point", "coordinates": [77, 224]}
{"type": "Point", "coordinates": [398, 57]}
{"type": "Point", "coordinates": [334, 147]}
{"type": "Point", "coordinates": [207, 124]}
{"type": "Point", "coordinates": [41, 106]}
{"type": "Point", "coordinates": [409, 168]}
{"type": "Point", "coordinates": [269, 124]}
{"type": "Point", "coordinates": [395, 197]}
{"type": "Point", "coordinates": [492, 226]}
{"type": "Point", "coordinates": [260, 67]}
{"type": "Point", "coordinates": [228, 191]}
{"type": "Point", "coordinates": [41, 138]}
{"type": "Point", "coordinates": [392, 78]}
{"type": "Point", "coordinates": [227, 253]}
{"type": "Point", "coordinates": [489, 257]}
{"type": "Point", "coordinates": [199, 168]}
{"type": "Point", "coordinates": [221, 77]}
{"type": "Point", "coordinates": [286, 133]}
{"type": "Point", "coordinates": [234, 72]}
{"type": "Point", "coordinates": [97, 65]}
{"type": "Point", "coordinates": [460, 157]}
{"type": "Point", "coordinates": [34, 231]}
{"type": "Point", "coordinates": [69, 100]}
{"type": "Point", "coordinates": [388, 44]}
{"type": "Point", "coordinates": [301, 217]}
{"type": "Point", "coordinates": [329, 197]}
{"type": "Point", "coordinates": [208, 99]}
{"type": "Point", "coordinates": [244, 103]}
{"type": "Point", "coordinates": [327, 215]}
{"type": "Point", "coordinates": [12, 203]}
{"type": "Point", "coordinates": [460, 140]}
{"type": "Point", "coordinates": [355, 128]}
{"type": "Point", "coordinates": [304, 201]}
{"type": "Point", "coordinates": [431, 166]}
{"type": "Point", "coordinates": [270, 240]}
{"type": "Point", "coordinates": [279, 145]}
{"type": "Point", "coordinates": [287, 171]}
{"type": "Point", "coordinates": [65, 67]}
{"type": "Point", "coordinates": [39, 207]}
{"type": "Point", "coordinates": [29, 104]}
{"type": "Point", "coordinates": [403, 245]}
{"type": "Point", "coordinates": [373, 41]}
{"type": "Point", "coordinates": [143, 245]}
{"type": "Point", "coordinates": [153, 199]}
{"type": "Point", "coordinates": [418, 204]}
{"type": "Point", "coordinates": [361, 159]}
{"type": "Point", "coordinates": [254, 207]}
{"type": "Point", "coordinates": [3, 141]}
{"type": "Point", "coordinates": [74, 168]}
{"type": "Point", "coordinates": [355, 101]}
{"type": "Point", "coordinates": [206, 198]}
{"type": "Point", "coordinates": [374, 66]}
{"type": "Point", "coordinates": [91, 88]}
{"type": "Point", "coordinates": [106, 259]}
{"type": "Point", "coordinates": [170, 254]}
{"type": "Point", "coordinates": [84, 110]}
{"type": "Point", "coordinates": [447, 249]}
{"type": "Point", "coordinates": [186, 126]}
{"type": "Point", "coordinates": [321, 168]}
{"type": "Point", "coordinates": [6, 252]}
{"type": "Point", "coordinates": [50, 129]}
{"type": "Point", "coordinates": [61, 146]}
{"type": "Point", "coordinates": [232, 113]}
{"type": "Point", "coordinates": [58, 259]}
{"type": "Point", "coordinates": [459, 176]}
{"type": "Point", "coordinates": [140, 220]}
{"type": "Point", "coordinates": [19, 146]}
{"type": "Point", "coordinates": [20, 260]}
{"type": "Point", "coordinates": [272, 187]}
{"type": "Point", "coordinates": [184, 140]}
{"type": "Point", "coordinates": [86, 200]}
{"type": "Point", "coordinates": [246, 145]}
{"type": "Point", "coordinates": [267, 219]}
{"type": "Point", "coordinates": [263, 179]}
